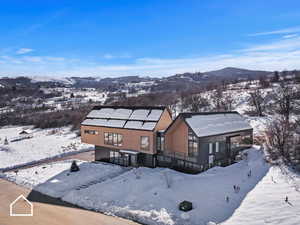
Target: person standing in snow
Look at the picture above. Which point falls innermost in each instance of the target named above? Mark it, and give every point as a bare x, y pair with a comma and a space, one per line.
286, 199
227, 199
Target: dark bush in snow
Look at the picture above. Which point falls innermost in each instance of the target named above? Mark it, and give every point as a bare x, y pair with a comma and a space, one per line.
74, 167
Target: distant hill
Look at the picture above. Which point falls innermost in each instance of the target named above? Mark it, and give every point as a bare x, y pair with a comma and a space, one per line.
177, 82
237, 73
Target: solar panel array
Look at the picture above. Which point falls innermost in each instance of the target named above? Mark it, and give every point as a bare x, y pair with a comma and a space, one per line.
142, 119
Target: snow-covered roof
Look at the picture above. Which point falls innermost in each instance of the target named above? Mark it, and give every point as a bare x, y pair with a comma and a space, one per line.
27, 131
144, 118
216, 123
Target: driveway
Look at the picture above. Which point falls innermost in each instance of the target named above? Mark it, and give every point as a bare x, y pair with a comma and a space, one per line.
50, 214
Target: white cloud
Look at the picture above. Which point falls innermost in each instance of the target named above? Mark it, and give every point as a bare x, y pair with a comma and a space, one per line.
108, 56
276, 55
22, 51
286, 44
281, 31
55, 59
290, 36
118, 56
33, 59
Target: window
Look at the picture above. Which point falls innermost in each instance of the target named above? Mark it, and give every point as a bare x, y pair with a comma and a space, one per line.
160, 143
113, 139
210, 148
217, 146
120, 140
93, 132
145, 143
105, 138
192, 145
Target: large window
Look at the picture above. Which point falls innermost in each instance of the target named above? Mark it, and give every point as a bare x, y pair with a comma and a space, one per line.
113, 139
145, 143
93, 132
192, 145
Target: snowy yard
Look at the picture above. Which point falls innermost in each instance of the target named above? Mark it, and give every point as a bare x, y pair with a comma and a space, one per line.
44, 144
151, 196
146, 198
56, 180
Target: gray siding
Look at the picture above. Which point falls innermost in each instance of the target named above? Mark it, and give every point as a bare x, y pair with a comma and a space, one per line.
223, 156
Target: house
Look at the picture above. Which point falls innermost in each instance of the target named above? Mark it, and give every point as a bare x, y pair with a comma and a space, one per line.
147, 136
198, 141
21, 207
125, 135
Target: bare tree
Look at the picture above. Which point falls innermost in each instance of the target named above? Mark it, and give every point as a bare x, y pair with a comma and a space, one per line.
278, 135
227, 102
285, 100
217, 97
280, 132
196, 103
257, 101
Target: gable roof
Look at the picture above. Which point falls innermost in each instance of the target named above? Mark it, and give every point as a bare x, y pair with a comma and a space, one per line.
127, 117
27, 131
214, 123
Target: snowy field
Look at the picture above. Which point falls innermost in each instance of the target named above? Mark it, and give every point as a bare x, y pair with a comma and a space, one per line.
56, 180
44, 144
151, 196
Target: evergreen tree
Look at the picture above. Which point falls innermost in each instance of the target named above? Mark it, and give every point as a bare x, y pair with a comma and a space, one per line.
74, 167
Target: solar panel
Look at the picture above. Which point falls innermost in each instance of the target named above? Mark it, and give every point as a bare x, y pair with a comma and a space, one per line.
154, 115
105, 113
121, 114
139, 114
115, 123
95, 122
134, 124
148, 125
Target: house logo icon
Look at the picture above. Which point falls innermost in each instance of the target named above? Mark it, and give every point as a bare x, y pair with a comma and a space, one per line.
21, 207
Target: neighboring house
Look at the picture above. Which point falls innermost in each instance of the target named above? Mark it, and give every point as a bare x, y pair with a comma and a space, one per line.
147, 136
206, 139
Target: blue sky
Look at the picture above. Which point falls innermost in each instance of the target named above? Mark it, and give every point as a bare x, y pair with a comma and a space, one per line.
146, 37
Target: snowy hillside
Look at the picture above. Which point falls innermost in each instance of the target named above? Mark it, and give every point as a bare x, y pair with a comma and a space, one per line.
44, 144
66, 81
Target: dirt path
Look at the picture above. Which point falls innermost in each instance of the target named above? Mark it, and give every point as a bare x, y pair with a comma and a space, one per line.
50, 214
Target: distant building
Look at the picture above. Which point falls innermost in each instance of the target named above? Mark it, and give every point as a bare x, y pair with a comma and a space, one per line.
147, 136
26, 132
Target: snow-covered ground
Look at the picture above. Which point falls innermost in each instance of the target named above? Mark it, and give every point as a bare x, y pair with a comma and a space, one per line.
44, 144
147, 199
151, 196
259, 124
265, 204
56, 180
